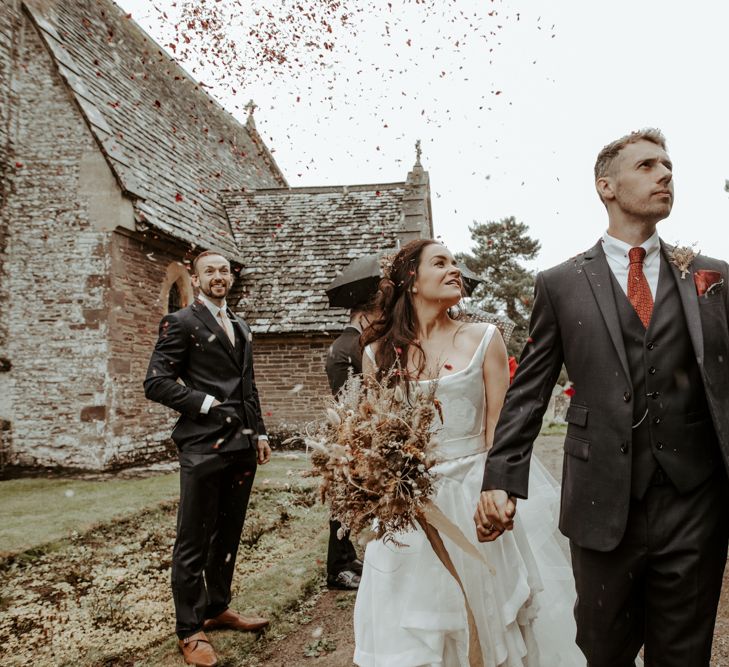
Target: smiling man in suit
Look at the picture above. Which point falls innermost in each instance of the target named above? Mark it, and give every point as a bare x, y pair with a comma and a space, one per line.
642, 329
221, 439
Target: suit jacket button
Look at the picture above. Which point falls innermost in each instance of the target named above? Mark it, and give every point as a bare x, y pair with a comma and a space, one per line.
650, 344
652, 370
626, 396
657, 420
624, 447
659, 445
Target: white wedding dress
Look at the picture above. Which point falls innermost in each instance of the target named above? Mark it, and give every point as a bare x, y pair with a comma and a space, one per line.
410, 611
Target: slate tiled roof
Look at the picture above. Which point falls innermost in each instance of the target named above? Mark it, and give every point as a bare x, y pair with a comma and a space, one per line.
297, 240
171, 146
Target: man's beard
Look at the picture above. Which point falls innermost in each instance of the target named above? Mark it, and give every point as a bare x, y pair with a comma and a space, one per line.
645, 209
208, 291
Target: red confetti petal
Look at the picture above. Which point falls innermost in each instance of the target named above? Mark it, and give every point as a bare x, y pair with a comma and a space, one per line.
178, 197
448, 367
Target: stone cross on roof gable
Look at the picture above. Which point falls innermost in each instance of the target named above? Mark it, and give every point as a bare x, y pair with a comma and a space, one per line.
250, 108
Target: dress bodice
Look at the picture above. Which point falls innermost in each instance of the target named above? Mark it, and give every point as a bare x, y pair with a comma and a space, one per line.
463, 400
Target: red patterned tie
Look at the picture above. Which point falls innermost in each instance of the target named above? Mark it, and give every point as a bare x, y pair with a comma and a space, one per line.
639, 292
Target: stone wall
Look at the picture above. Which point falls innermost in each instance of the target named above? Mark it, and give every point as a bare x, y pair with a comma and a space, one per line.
291, 379
9, 21
54, 394
143, 268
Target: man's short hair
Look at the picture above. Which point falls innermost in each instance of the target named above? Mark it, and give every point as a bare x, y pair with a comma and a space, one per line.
205, 253
607, 155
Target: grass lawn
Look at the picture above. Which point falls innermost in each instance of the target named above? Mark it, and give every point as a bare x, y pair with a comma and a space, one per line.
38, 511
95, 567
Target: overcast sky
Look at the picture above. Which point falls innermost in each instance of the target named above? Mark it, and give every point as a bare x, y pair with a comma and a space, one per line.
511, 108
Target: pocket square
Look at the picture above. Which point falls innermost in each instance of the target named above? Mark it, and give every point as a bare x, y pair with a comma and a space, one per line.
707, 281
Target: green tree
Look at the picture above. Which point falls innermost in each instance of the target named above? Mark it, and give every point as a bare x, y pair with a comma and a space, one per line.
498, 249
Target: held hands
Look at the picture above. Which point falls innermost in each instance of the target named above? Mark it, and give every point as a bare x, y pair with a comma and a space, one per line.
494, 514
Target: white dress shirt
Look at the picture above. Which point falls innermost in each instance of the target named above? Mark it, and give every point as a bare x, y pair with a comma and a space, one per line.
616, 253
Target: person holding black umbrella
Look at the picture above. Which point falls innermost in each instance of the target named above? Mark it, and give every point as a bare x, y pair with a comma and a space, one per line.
344, 359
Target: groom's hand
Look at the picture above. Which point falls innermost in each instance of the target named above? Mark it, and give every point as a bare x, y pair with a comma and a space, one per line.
494, 514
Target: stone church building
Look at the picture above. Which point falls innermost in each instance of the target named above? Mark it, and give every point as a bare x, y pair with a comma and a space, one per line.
115, 169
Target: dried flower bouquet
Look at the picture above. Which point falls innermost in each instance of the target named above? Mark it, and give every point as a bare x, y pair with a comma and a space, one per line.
375, 452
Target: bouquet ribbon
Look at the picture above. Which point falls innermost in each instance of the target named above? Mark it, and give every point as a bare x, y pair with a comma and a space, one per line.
434, 522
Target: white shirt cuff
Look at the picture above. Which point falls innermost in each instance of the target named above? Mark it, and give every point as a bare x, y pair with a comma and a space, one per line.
263, 437
205, 407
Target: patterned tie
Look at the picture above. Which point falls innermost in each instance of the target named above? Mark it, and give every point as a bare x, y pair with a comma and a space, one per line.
227, 326
639, 292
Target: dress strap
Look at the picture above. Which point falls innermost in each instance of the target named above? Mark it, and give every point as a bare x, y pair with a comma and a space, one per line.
370, 352
480, 352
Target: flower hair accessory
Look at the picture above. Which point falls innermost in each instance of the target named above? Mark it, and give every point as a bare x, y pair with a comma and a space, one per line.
681, 257
386, 266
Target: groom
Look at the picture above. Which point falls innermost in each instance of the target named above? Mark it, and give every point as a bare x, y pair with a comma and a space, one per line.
221, 439
644, 488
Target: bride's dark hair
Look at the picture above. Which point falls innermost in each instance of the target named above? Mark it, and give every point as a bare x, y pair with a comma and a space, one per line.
394, 329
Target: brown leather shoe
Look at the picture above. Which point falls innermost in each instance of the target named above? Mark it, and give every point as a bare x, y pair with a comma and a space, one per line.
234, 621
197, 650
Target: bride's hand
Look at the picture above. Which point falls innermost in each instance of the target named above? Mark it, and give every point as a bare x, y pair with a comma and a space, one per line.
494, 514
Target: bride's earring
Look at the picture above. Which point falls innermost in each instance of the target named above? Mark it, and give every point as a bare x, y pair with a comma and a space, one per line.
414, 290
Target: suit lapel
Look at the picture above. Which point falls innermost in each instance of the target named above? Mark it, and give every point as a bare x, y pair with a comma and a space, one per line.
244, 334
599, 276
690, 302
202, 312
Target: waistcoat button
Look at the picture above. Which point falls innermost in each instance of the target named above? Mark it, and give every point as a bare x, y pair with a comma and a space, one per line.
626, 396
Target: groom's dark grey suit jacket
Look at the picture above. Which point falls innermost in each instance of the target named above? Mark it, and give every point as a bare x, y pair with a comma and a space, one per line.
576, 321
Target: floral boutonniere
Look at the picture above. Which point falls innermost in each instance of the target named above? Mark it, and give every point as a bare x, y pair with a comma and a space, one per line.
681, 257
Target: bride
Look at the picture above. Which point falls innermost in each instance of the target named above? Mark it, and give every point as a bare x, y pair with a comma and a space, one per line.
410, 611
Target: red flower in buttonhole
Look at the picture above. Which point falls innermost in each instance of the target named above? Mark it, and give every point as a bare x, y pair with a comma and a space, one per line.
570, 391
530, 340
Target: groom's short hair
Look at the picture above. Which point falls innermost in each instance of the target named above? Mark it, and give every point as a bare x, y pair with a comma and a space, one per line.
606, 157
205, 253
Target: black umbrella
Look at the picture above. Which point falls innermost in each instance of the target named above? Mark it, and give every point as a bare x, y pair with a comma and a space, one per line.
358, 281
